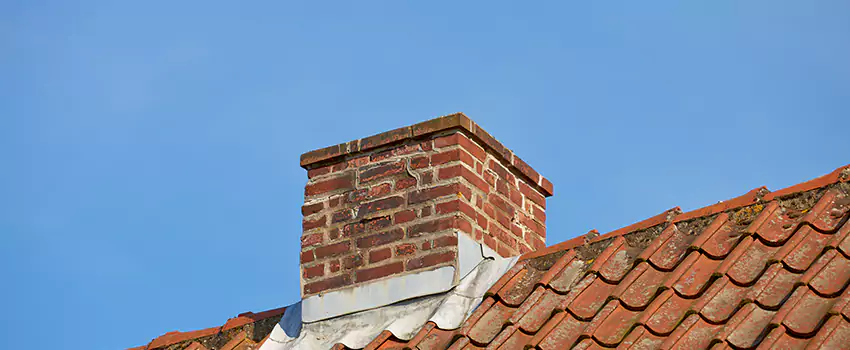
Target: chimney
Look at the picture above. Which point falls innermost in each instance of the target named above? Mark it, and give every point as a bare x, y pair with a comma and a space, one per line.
397, 204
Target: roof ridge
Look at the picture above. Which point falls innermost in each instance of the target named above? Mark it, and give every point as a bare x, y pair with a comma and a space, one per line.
675, 214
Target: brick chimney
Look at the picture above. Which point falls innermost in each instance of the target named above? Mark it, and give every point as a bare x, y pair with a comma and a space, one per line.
396, 203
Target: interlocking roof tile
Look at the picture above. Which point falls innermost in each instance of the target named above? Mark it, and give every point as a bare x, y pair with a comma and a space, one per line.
766, 269
246, 331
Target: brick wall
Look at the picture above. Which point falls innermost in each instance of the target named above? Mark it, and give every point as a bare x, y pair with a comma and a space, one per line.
391, 204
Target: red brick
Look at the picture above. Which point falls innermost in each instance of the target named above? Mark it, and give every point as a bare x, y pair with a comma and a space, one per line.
314, 271
463, 141
334, 233
342, 215
380, 271
445, 241
500, 203
379, 223
345, 182
326, 284
358, 162
404, 216
311, 239
307, 256
308, 225
354, 229
419, 162
401, 184
379, 255
334, 202
516, 230
379, 239
488, 209
539, 214
504, 251
318, 171
380, 171
463, 225
516, 197
432, 193
435, 225
526, 169
455, 206
332, 250
426, 177
334, 266
532, 195
380, 190
490, 241
405, 249
312, 208
533, 225
426, 212
430, 260
379, 205
461, 171
490, 178
451, 156
500, 170
358, 196
426, 145
352, 261
503, 220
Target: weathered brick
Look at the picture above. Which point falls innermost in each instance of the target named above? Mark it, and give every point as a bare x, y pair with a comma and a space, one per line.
342, 215
516, 197
352, 261
379, 171
516, 230
311, 209
380, 271
402, 184
405, 249
311, 239
503, 250
370, 208
501, 171
307, 225
419, 162
490, 241
503, 220
307, 256
500, 203
354, 229
539, 214
379, 223
334, 266
404, 216
326, 284
532, 195
455, 206
385, 138
437, 192
475, 180
380, 190
426, 212
444, 241
533, 225
358, 162
526, 169
332, 250
345, 182
463, 141
457, 154
379, 239
318, 171
435, 225
314, 271
430, 260
379, 255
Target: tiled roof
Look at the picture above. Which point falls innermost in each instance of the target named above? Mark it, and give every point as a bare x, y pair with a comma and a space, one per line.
767, 269
764, 269
247, 331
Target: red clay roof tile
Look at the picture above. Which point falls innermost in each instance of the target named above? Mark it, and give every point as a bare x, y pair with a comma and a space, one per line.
767, 270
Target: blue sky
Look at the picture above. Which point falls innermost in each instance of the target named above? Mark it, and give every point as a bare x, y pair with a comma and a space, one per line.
150, 177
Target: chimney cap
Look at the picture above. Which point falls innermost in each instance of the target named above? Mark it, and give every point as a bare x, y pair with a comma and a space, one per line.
322, 156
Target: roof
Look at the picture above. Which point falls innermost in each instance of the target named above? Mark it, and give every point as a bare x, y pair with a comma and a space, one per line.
766, 269
246, 331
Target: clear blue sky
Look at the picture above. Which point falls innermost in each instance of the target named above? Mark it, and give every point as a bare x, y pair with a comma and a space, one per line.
150, 180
